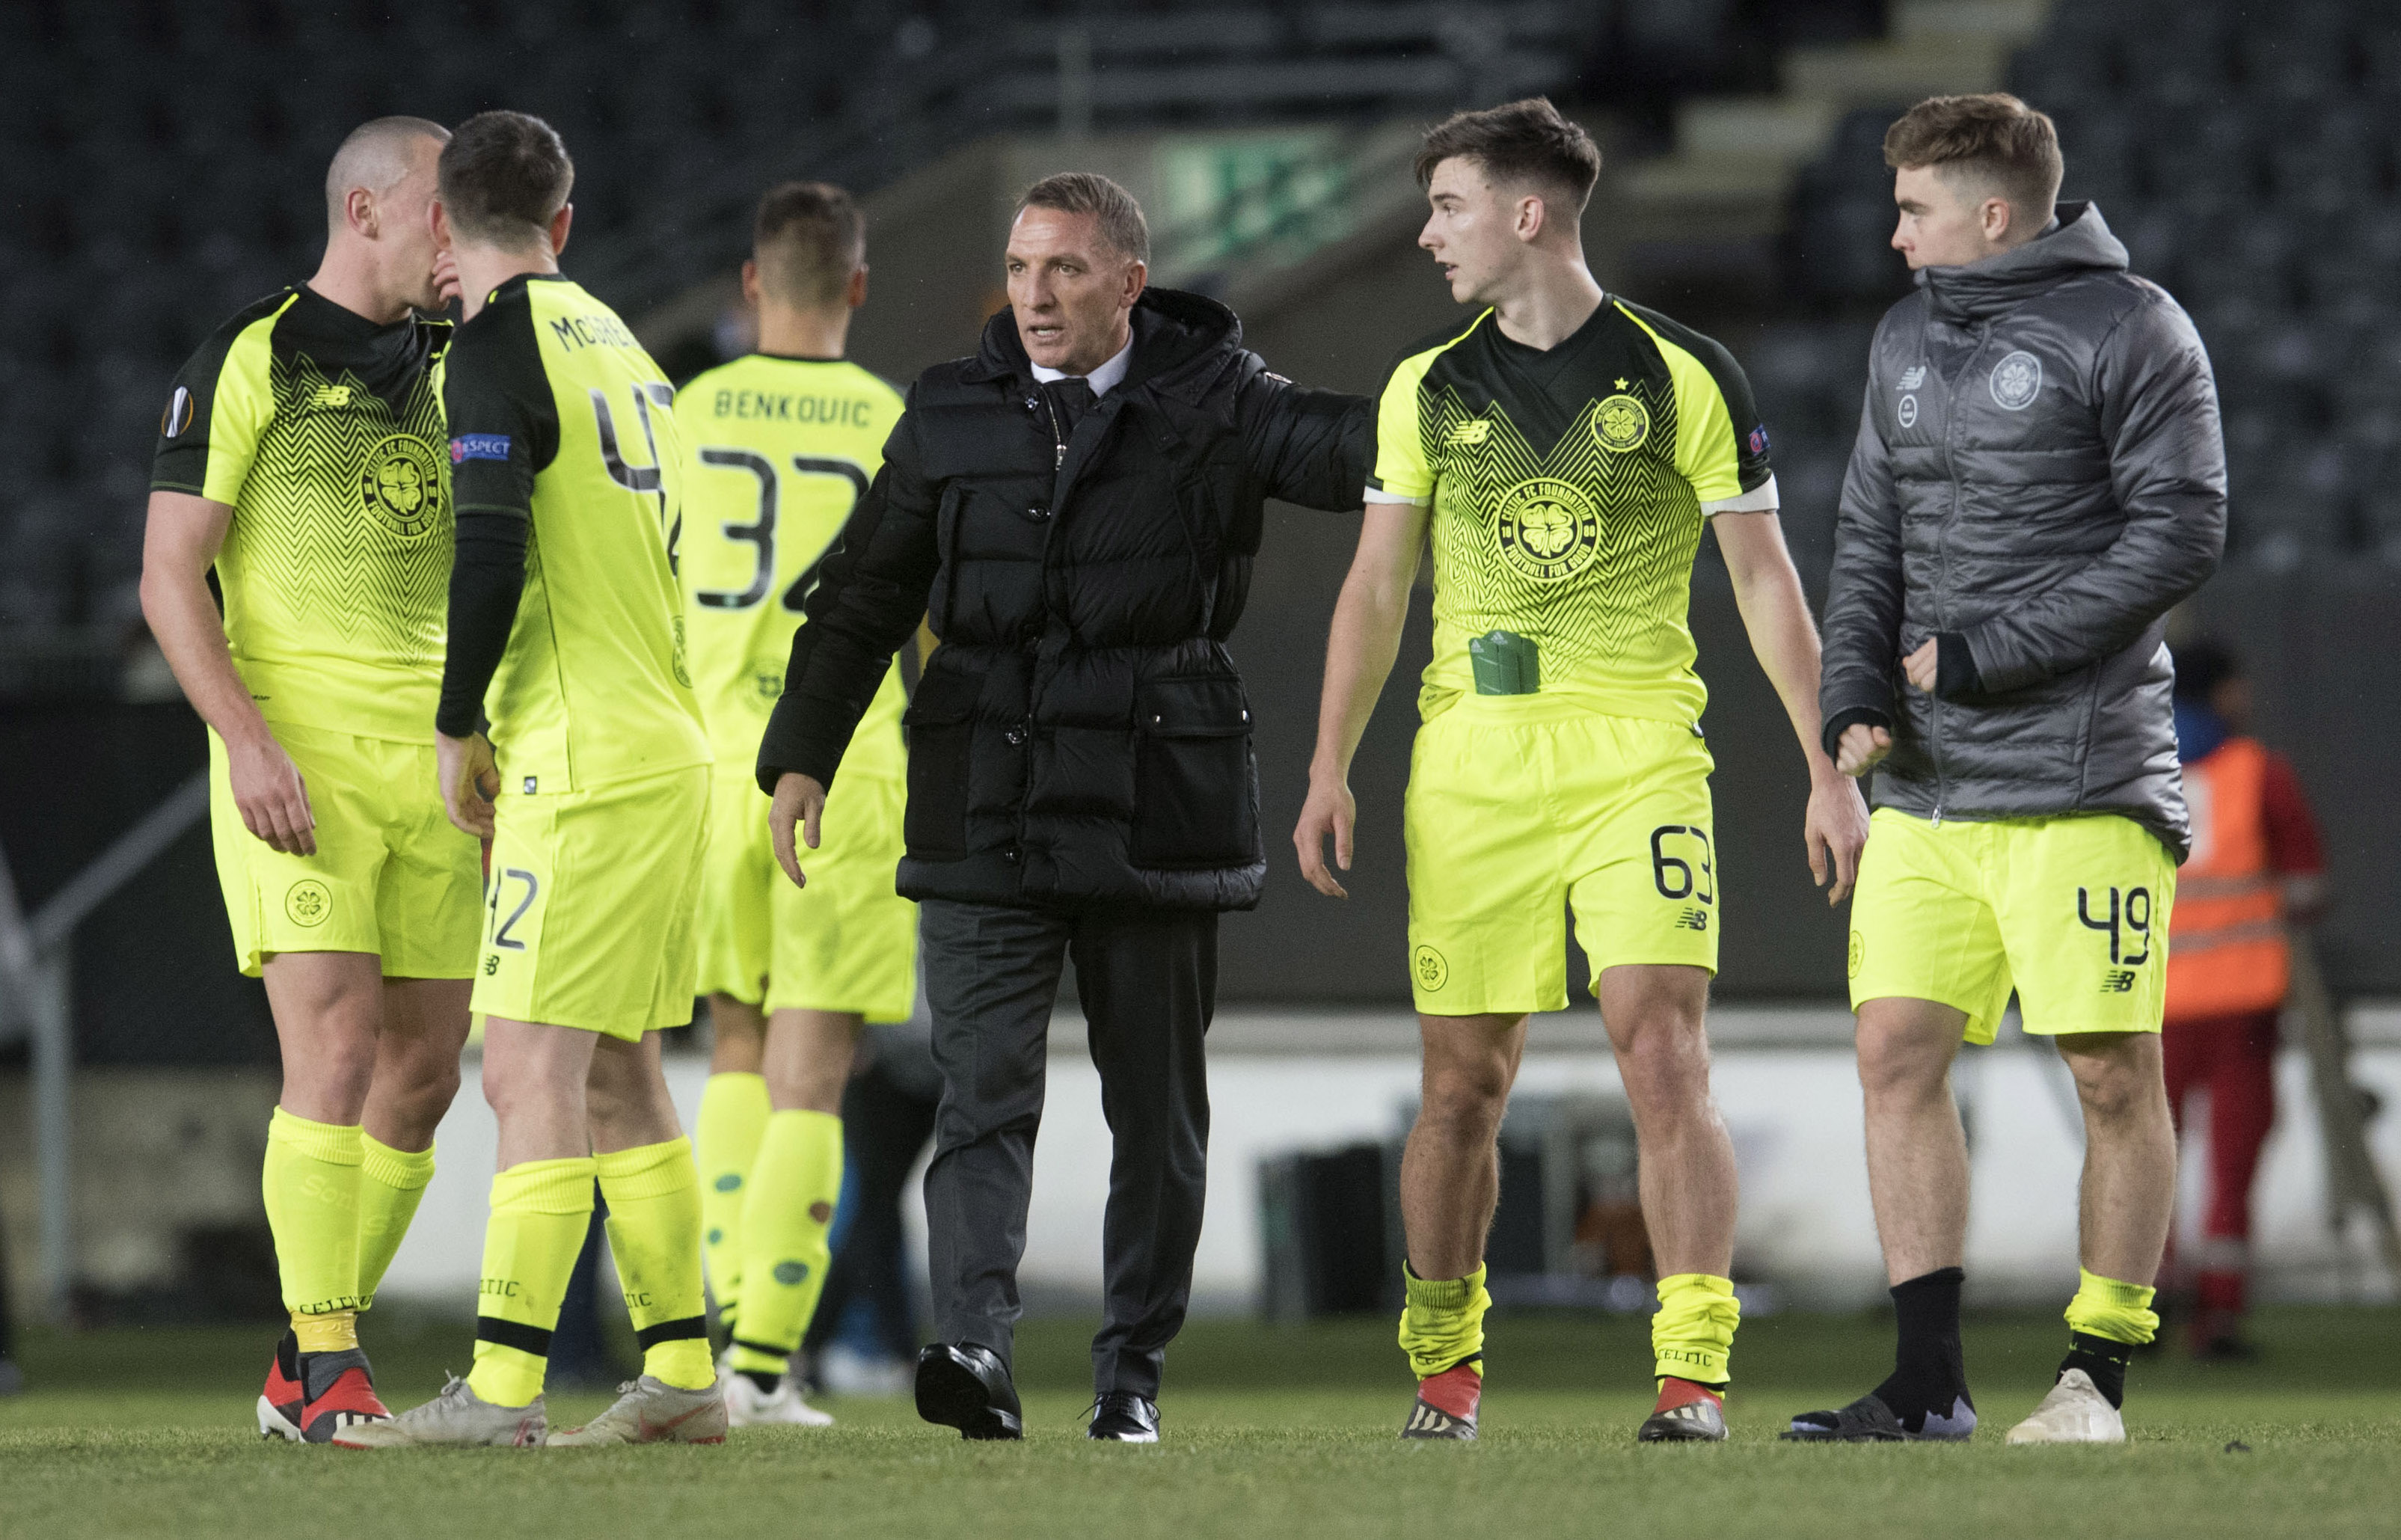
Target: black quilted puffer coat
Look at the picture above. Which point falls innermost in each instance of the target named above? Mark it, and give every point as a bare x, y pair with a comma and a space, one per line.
1080, 735
2039, 477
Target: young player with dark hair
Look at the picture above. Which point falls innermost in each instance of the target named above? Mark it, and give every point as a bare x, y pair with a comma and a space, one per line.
1565, 448
300, 457
781, 444
2039, 479
566, 629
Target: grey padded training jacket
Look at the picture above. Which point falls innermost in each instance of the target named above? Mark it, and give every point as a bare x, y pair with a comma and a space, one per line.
2039, 477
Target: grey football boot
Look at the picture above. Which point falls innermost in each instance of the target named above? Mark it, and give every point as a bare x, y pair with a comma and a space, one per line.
649, 1410
456, 1418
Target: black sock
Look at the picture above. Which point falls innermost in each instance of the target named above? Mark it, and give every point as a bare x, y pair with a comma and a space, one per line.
1929, 1375
287, 1354
767, 1383
2102, 1358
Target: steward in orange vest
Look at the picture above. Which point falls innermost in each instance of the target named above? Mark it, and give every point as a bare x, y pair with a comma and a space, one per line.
2256, 867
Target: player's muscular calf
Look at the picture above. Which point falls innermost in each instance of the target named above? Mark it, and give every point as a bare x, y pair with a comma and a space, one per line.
2129, 1187
1450, 1169
1917, 1148
1655, 1014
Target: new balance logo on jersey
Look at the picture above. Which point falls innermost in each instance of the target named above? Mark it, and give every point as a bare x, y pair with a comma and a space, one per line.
1912, 377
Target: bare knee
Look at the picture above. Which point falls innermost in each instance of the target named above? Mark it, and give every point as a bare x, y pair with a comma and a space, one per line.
1469, 1067
2118, 1075
1905, 1049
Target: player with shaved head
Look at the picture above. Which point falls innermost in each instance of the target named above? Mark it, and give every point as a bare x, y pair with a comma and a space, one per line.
300, 456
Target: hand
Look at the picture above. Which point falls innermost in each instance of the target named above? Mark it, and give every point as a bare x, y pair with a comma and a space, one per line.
798, 800
1329, 810
470, 779
445, 277
1857, 751
1835, 830
1923, 665
272, 797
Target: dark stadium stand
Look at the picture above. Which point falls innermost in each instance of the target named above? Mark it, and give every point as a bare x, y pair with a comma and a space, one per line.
2249, 160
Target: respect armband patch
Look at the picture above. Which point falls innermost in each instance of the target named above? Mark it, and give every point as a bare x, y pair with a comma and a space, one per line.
467, 446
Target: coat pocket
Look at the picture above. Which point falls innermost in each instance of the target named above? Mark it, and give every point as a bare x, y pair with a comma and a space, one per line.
1196, 799
941, 723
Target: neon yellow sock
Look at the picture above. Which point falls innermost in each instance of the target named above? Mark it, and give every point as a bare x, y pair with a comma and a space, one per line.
1691, 1337
333, 1331
653, 1194
540, 1212
310, 1181
391, 1182
1441, 1321
734, 1114
2104, 1307
793, 1187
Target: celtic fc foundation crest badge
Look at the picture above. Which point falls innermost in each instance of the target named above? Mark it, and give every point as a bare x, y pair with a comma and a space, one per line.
1621, 423
402, 485
1547, 528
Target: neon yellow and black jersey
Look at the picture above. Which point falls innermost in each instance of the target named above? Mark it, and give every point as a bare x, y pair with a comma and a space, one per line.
322, 431
776, 453
566, 625
1569, 488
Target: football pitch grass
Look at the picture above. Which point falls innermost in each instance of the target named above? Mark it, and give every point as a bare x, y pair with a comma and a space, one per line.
1270, 1431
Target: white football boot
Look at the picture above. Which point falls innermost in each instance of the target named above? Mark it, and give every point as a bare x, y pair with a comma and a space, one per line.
749, 1407
2075, 1413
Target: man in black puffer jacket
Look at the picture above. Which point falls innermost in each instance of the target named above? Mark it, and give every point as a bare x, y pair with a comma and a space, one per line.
2039, 479
1074, 511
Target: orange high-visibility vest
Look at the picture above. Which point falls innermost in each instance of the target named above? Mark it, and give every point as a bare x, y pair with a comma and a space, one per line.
2227, 951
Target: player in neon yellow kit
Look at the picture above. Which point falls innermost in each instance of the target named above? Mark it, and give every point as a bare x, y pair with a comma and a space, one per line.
567, 631
1565, 448
779, 445
300, 455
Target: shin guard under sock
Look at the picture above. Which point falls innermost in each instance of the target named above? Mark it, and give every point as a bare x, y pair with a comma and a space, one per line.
794, 1184
310, 1182
540, 1212
733, 1113
392, 1183
653, 1195
1929, 1375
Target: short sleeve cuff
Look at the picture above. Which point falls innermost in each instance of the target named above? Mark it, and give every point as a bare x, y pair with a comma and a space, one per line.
1760, 498
1380, 494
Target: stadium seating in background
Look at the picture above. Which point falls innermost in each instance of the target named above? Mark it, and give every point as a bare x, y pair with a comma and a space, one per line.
2248, 159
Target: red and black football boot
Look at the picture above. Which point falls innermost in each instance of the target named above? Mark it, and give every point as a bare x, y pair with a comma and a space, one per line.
1688, 1412
278, 1404
1446, 1402
341, 1395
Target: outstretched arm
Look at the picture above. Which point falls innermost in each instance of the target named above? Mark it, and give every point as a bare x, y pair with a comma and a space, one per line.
1775, 613
1360, 647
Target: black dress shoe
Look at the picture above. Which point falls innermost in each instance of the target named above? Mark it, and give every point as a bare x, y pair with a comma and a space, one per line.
967, 1387
1121, 1417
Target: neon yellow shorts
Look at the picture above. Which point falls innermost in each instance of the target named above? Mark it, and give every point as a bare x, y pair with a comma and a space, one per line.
847, 941
588, 921
1518, 807
391, 876
2071, 911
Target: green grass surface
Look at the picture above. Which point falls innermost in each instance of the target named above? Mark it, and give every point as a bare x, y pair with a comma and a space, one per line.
1269, 1432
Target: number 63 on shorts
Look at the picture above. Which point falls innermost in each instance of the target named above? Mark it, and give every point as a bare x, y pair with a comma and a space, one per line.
1513, 822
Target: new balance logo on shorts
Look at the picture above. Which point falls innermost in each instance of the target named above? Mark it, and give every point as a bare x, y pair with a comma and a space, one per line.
2118, 981
1693, 920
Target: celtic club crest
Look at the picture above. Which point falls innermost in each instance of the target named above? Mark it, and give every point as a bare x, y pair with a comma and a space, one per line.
1621, 423
1547, 528
2015, 380
401, 485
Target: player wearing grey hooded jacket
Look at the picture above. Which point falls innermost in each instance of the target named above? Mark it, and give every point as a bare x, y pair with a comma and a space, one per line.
2039, 477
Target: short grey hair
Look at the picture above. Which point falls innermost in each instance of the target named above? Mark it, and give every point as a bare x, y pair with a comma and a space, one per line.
375, 156
1119, 217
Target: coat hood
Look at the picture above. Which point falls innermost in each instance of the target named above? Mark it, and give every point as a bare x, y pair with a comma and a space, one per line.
2081, 242
1176, 335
